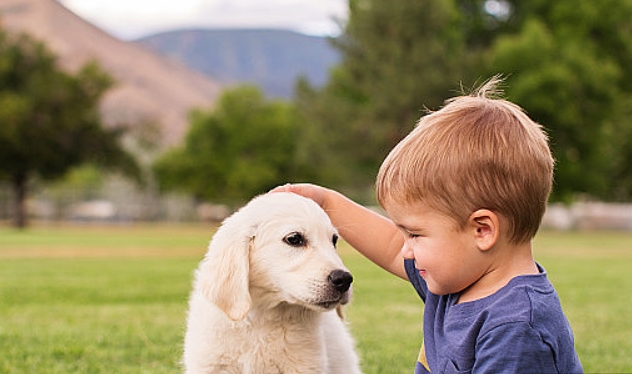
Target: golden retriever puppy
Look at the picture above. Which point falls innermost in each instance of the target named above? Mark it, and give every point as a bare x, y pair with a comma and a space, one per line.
265, 295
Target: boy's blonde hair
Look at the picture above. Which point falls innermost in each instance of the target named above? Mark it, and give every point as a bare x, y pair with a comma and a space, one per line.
477, 152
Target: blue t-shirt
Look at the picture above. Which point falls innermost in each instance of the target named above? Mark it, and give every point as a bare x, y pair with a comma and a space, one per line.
519, 329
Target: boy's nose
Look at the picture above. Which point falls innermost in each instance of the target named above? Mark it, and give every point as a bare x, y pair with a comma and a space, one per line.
406, 251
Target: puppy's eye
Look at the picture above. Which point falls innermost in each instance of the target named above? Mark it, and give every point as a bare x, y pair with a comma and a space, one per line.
295, 239
334, 239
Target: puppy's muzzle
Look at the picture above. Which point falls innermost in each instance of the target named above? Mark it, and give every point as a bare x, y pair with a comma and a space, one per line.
340, 280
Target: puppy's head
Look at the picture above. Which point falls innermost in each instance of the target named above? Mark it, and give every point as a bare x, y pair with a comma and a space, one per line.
279, 248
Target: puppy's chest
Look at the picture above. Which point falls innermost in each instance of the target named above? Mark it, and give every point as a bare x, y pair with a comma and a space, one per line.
282, 350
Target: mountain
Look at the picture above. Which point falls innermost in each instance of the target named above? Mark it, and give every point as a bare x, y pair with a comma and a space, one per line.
271, 59
149, 87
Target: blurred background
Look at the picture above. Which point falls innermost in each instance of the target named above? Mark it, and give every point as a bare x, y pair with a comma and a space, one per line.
130, 111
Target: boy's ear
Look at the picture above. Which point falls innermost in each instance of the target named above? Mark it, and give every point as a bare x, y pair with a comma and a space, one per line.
486, 226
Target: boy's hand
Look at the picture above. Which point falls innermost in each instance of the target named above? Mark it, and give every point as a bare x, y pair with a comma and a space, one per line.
311, 191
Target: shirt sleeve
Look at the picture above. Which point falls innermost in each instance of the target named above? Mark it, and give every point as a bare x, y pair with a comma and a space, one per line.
514, 348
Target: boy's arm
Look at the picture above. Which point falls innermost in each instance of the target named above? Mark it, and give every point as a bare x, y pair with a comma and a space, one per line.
370, 233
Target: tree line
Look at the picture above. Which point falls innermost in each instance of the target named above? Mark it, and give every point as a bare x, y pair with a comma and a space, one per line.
568, 63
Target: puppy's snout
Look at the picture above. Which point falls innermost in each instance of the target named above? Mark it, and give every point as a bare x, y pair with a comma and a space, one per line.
341, 280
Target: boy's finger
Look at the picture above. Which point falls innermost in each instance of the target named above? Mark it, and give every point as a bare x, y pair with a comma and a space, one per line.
284, 188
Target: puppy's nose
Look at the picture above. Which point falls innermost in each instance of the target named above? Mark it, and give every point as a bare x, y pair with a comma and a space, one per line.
341, 280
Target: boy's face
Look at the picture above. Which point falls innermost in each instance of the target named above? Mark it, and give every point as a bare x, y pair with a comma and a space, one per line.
447, 257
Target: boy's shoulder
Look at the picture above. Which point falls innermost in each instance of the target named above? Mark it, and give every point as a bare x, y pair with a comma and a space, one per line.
521, 326
523, 321
526, 298
529, 299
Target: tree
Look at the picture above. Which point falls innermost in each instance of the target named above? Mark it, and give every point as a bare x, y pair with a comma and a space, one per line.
569, 64
398, 58
50, 119
242, 148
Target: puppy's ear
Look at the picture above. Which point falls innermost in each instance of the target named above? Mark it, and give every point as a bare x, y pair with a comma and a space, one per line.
223, 274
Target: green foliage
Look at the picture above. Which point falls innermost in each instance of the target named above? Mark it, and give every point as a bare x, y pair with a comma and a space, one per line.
569, 66
242, 148
398, 58
568, 63
50, 119
402, 56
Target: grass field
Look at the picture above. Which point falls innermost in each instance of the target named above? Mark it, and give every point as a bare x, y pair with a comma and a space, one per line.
85, 299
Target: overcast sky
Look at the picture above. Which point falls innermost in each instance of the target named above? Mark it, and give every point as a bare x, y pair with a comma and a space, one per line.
131, 19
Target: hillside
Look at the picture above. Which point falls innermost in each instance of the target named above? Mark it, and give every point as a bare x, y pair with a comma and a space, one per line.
271, 59
149, 86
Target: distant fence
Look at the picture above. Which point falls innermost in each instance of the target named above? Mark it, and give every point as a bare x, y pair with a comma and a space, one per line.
121, 202
588, 216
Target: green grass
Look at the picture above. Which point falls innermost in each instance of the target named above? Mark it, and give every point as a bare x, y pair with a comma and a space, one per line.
84, 299
592, 272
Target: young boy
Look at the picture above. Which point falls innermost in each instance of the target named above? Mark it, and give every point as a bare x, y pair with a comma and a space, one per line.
465, 192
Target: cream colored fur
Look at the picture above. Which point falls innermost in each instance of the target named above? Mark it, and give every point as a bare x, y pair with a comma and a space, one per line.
263, 305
